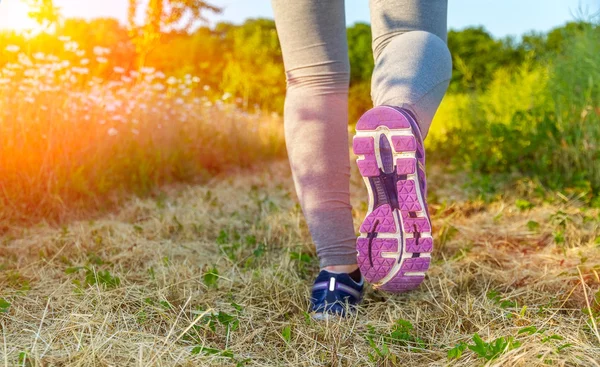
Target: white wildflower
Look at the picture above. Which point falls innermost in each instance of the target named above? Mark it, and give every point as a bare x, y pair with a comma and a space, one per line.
39, 56
25, 60
147, 70
100, 51
172, 80
118, 70
84, 61
112, 131
71, 46
102, 60
196, 79
81, 71
12, 48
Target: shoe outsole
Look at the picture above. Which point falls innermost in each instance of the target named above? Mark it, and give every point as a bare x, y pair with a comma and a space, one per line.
395, 242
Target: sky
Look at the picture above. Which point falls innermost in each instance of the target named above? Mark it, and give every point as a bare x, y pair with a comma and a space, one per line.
500, 17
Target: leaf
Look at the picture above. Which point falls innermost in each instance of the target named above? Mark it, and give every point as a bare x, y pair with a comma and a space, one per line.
259, 251
529, 329
533, 225
508, 304
223, 238
493, 295
237, 307
211, 278
559, 237
523, 204
563, 346
552, 337
228, 320
23, 358
457, 351
4, 305
480, 347
302, 257
287, 333
250, 240
494, 349
73, 269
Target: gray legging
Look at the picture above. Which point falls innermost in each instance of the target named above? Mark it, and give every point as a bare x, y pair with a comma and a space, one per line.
412, 70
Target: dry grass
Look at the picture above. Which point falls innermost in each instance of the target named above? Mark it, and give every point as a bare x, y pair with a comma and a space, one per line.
163, 249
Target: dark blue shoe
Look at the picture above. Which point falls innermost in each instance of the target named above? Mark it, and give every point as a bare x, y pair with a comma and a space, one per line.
335, 294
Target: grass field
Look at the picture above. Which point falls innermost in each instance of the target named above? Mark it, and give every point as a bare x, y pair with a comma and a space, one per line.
219, 274
148, 217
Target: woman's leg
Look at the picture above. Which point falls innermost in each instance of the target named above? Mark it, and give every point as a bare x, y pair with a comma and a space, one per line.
413, 66
412, 71
315, 53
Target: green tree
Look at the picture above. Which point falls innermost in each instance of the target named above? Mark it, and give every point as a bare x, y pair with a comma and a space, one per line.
476, 55
44, 12
359, 53
254, 66
553, 43
162, 16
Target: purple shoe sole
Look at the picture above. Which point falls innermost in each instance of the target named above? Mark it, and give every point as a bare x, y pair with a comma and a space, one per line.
395, 244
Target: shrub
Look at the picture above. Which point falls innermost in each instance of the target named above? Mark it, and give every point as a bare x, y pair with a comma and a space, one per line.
542, 120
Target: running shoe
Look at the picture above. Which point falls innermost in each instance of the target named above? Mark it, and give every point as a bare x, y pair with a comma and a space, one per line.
395, 242
335, 294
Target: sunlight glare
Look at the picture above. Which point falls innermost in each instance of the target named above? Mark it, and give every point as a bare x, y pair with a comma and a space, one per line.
14, 16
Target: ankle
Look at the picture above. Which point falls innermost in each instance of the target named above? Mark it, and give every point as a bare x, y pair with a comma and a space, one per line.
341, 268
